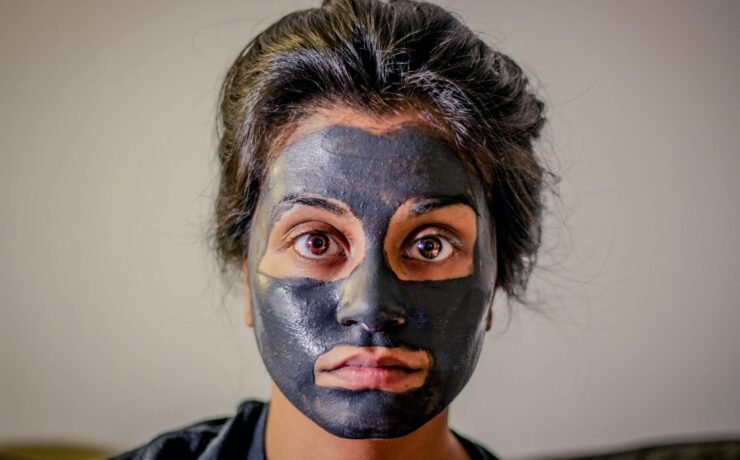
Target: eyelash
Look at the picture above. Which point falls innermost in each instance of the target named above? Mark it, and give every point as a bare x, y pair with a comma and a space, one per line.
293, 239
452, 242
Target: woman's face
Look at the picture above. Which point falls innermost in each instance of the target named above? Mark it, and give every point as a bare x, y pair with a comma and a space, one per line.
371, 268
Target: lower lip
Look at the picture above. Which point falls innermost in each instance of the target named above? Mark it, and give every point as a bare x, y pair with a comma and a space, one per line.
391, 379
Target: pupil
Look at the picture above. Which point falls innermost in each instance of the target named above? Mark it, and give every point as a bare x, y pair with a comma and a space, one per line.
429, 248
317, 244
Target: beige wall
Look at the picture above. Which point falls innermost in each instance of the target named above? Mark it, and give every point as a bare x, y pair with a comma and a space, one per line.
115, 325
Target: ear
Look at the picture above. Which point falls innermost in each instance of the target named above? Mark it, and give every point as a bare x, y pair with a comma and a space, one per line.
496, 281
489, 315
248, 318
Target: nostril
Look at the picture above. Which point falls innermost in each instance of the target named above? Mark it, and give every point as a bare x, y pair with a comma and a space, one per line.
375, 323
371, 299
379, 324
398, 321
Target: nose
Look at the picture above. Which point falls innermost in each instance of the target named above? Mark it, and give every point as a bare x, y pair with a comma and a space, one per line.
370, 299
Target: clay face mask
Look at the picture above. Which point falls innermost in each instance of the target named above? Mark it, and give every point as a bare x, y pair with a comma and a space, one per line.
371, 269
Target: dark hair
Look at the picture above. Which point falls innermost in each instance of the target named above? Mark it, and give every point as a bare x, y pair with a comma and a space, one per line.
386, 58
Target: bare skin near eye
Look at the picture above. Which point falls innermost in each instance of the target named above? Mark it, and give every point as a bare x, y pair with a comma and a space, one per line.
433, 245
311, 241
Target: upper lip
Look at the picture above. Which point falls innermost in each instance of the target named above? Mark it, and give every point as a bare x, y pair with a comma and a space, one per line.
380, 357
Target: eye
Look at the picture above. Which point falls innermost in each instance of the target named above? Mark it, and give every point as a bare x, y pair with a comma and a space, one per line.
316, 245
430, 248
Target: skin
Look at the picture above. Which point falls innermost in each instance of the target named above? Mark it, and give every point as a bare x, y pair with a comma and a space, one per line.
370, 281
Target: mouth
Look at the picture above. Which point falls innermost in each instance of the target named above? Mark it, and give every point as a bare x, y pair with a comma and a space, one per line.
394, 370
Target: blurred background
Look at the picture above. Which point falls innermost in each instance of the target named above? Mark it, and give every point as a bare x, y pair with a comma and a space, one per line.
116, 325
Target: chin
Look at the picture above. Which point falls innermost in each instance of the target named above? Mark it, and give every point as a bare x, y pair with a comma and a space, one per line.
368, 414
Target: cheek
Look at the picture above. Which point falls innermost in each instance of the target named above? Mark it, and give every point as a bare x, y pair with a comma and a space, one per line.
302, 314
296, 322
449, 321
447, 316
294, 319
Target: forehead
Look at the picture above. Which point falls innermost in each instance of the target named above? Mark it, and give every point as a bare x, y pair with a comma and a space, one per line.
369, 172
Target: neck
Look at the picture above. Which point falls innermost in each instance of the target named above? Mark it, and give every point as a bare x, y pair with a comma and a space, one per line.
290, 434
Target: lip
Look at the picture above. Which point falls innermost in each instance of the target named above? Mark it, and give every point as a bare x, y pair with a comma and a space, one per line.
372, 368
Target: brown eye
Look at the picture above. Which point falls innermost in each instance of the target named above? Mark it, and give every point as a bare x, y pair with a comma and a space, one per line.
317, 246
429, 247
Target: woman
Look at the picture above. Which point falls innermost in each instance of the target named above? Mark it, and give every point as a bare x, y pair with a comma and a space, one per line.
378, 185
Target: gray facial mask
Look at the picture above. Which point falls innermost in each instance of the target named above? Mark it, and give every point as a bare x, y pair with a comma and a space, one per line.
297, 320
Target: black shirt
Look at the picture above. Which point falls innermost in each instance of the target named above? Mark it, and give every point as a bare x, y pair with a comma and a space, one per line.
239, 437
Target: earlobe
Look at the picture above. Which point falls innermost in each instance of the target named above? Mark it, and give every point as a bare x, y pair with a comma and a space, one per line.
248, 318
489, 317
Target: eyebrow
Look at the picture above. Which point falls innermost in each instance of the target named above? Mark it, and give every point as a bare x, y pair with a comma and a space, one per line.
315, 202
425, 205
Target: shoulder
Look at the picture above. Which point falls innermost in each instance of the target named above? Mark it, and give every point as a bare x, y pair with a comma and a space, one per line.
203, 440
184, 443
475, 450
